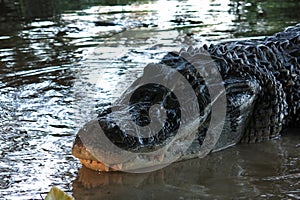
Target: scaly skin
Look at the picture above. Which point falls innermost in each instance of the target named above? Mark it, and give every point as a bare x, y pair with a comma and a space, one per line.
262, 82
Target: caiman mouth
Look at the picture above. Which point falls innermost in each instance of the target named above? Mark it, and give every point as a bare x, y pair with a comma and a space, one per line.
89, 161
98, 166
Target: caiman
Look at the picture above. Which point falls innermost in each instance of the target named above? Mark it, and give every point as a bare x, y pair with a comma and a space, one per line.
261, 81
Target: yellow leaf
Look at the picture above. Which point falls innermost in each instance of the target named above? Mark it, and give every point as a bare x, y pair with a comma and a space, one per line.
57, 194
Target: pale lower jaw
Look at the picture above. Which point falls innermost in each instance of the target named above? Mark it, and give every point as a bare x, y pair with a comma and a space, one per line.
99, 166
127, 166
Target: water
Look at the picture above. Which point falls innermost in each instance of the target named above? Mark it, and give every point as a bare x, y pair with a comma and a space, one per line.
59, 63
246, 171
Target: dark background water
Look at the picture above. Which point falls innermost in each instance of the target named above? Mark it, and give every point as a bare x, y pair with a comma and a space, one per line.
61, 60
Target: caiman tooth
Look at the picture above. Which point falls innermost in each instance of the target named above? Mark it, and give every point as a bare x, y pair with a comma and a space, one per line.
160, 157
106, 168
117, 167
120, 166
151, 157
142, 157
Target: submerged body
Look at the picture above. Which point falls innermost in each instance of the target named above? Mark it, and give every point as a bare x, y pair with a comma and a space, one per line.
262, 86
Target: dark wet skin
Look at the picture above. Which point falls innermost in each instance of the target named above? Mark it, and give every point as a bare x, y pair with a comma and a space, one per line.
262, 84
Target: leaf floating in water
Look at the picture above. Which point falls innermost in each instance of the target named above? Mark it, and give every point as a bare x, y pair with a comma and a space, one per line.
57, 194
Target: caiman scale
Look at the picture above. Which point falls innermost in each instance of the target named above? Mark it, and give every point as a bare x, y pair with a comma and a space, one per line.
261, 78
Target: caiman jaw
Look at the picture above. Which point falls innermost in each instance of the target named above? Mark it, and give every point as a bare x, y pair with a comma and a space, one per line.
86, 159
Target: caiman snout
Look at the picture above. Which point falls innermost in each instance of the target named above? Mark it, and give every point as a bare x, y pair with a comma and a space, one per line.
86, 158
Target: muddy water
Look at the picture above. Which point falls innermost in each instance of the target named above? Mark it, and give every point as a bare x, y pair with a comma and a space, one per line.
258, 171
60, 62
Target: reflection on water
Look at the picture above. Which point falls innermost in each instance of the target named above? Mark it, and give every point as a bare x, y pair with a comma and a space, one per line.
60, 60
245, 171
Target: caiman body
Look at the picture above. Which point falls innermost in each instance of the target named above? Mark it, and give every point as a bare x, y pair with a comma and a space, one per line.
261, 78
